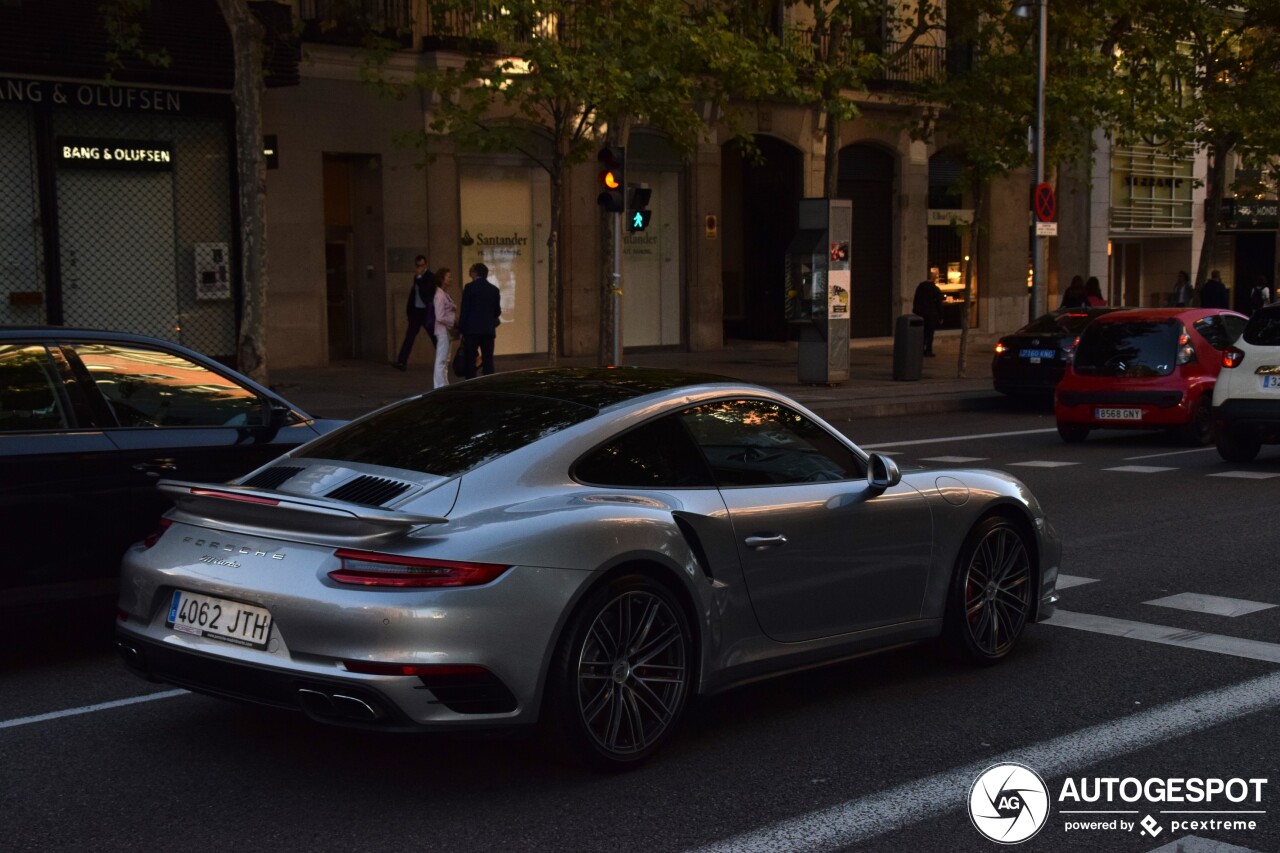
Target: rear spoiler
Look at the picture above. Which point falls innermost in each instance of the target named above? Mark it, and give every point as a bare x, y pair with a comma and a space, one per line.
263, 508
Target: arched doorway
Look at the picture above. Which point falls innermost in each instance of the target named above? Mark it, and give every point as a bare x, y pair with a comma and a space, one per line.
760, 200
866, 178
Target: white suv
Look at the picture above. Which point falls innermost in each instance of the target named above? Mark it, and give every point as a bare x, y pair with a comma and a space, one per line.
1246, 399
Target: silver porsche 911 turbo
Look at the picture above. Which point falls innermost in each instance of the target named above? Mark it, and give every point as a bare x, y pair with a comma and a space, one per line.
585, 549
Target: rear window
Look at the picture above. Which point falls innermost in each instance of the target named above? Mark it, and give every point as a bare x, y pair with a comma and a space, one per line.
1128, 349
1264, 328
448, 434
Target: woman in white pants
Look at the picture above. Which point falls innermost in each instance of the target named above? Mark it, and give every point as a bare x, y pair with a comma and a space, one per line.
446, 322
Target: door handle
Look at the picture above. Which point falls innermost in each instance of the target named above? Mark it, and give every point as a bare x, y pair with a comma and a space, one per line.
759, 542
156, 467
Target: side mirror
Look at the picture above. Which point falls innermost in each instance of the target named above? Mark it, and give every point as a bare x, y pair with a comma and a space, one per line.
882, 472
278, 414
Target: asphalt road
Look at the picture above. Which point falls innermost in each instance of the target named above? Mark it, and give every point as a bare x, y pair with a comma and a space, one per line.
877, 754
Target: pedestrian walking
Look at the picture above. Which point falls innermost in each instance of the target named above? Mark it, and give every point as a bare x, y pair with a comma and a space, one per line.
446, 326
1260, 295
1213, 294
928, 305
1182, 290
1074, 295
419, 309
1093, 293
478, 319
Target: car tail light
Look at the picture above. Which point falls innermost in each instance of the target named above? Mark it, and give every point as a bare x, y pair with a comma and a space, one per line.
1231, 357
1001, 349
154, 536
1069, 351
368, 568
1186, 354
233, 496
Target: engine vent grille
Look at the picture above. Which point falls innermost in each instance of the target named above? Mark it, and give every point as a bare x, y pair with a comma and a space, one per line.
372, 491
272, 477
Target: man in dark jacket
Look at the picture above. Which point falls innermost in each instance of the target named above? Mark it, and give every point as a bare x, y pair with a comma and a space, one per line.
420, 309
928, 304
1214, 293
478, 319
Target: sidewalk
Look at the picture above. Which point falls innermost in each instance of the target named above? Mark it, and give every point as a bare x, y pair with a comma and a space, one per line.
348, 389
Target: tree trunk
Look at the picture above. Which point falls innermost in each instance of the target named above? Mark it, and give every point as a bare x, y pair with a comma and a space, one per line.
553, 264
1219, 151
962, 359
251, 170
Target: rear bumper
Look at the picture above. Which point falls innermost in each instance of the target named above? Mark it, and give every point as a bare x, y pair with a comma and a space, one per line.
1013, 378
1259, 416
1159, 408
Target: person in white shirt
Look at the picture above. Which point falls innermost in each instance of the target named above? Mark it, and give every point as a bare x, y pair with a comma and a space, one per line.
446, 325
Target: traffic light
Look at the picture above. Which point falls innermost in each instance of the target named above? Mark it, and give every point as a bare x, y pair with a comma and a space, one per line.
613, 179
638, 212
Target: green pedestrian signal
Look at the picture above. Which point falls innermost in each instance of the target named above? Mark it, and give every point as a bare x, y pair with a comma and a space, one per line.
638, 220
638, 212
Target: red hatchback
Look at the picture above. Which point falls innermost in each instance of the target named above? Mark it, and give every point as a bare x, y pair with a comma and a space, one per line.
1151, 368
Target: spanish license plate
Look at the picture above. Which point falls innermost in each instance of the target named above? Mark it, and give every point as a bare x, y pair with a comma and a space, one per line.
1118, 414
1035, 354
1271, 381
219, 619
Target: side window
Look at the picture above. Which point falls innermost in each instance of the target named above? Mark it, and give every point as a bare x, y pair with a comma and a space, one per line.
656, 455
29, 398
146, 387
1234, 326
763, 443
1213, 331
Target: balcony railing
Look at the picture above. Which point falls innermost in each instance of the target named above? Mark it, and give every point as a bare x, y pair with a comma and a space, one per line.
905, 66
354, 22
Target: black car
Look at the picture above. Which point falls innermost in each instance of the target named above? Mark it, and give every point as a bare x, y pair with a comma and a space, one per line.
89, 421
1030, 361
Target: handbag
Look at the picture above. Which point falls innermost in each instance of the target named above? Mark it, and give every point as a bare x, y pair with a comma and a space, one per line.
457, 363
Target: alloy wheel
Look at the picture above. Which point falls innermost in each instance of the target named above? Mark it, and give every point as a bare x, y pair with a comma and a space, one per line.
632, 673
997, 591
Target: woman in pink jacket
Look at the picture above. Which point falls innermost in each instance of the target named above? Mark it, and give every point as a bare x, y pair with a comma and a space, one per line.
446, 323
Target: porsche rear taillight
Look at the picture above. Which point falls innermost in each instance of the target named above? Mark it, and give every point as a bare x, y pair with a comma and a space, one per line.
369, 568
154, 536
1231, 357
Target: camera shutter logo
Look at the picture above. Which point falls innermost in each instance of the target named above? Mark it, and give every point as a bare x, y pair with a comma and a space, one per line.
1009, 803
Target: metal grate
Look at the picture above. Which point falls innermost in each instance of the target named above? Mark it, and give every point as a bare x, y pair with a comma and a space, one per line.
142, 248
272, 478
372, 491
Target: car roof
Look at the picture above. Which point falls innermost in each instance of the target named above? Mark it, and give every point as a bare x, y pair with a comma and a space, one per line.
597, 387
1130, 315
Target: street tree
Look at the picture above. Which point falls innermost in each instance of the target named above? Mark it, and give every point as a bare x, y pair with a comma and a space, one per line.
1201, 76
556, 79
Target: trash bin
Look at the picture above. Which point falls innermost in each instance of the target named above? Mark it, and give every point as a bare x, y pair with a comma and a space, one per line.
908, 347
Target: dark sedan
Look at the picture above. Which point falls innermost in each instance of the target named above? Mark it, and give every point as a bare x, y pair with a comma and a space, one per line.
1030, 361
89, 421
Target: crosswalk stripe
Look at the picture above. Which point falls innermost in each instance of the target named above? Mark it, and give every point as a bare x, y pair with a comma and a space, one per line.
1164, 635
1213, 604
953, 460
1068, 581
1140, 469
1246, 475
1036, 463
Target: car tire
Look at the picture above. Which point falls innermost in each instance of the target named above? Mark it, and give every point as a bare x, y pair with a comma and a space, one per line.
1236, 445
1073, 433
1199, 431
621, 675
991, 595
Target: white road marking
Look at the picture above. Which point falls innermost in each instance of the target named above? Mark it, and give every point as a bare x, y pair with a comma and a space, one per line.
921, 800
1163, 634
1214, 604
1169, 453
1246, 475
954, 438
1068, 581
1196, 844
89, 709
954, 460
1040, 463
1140, 469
